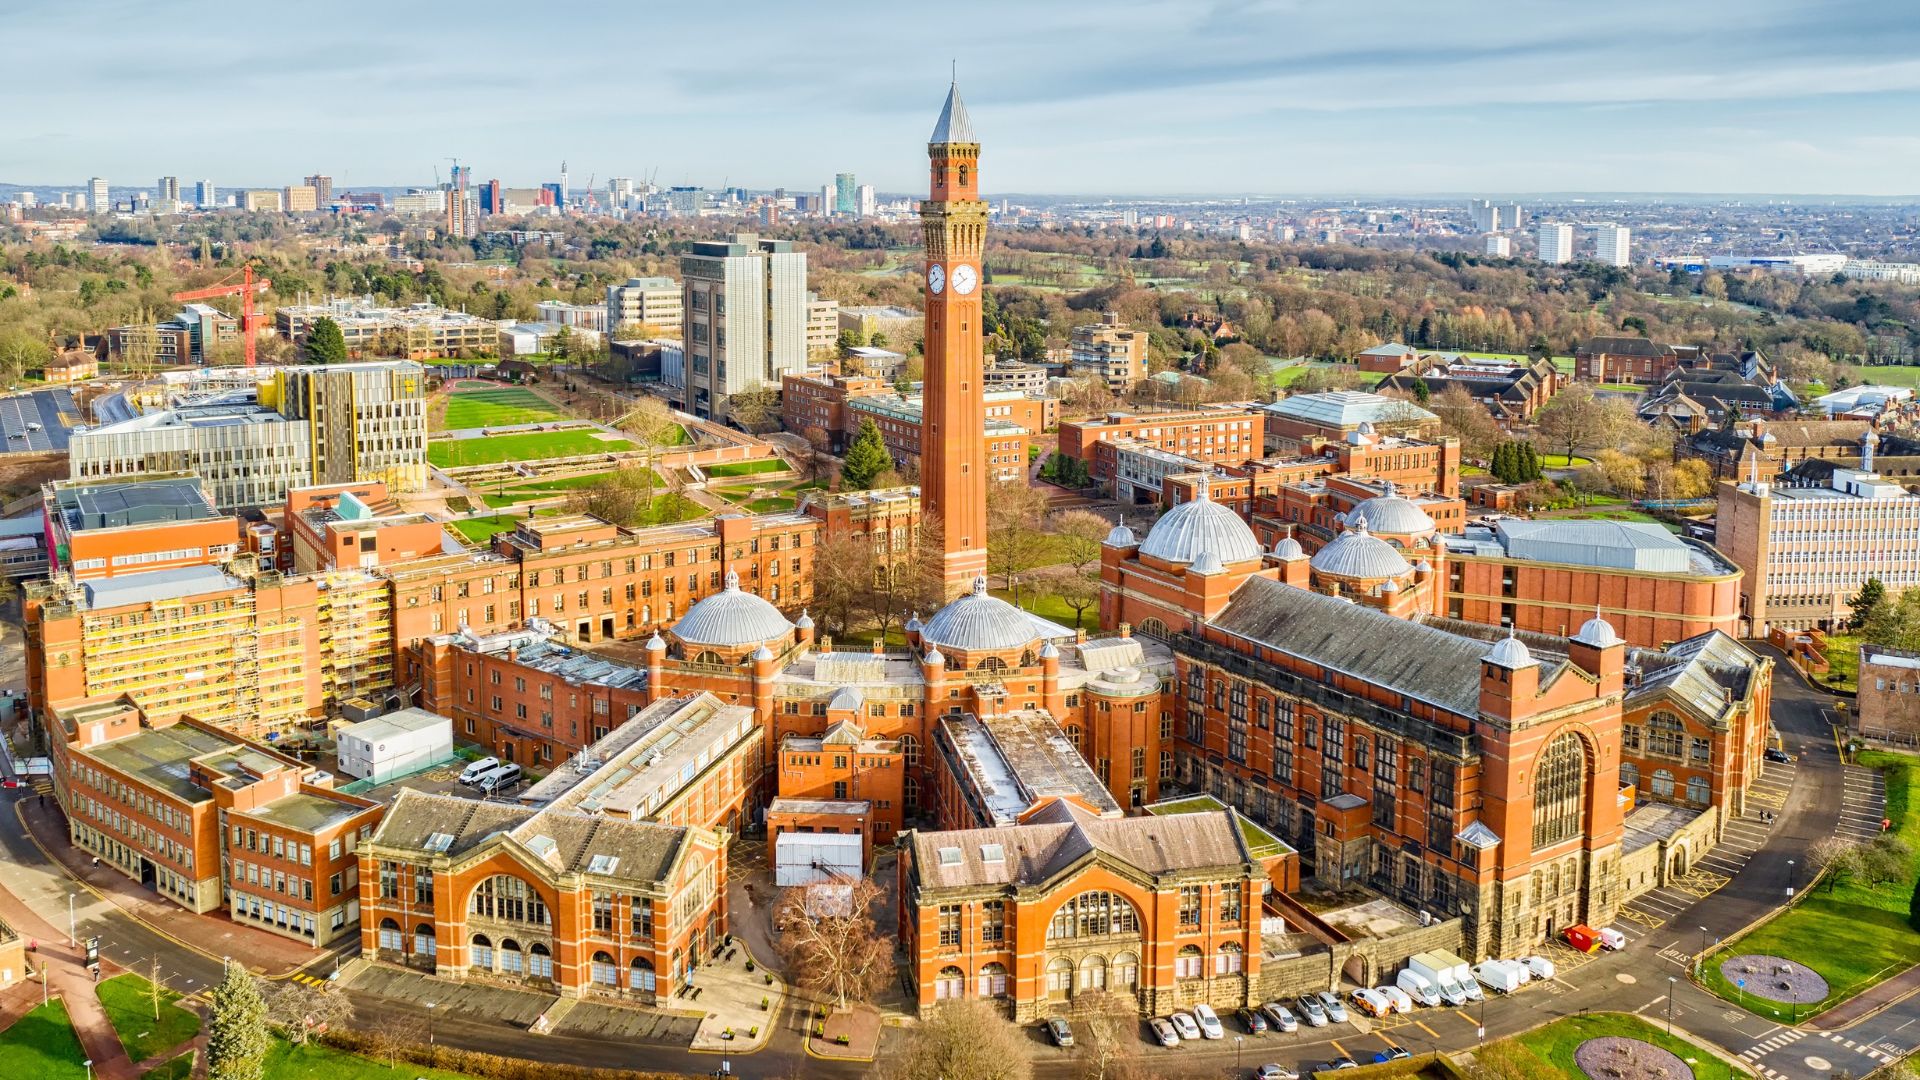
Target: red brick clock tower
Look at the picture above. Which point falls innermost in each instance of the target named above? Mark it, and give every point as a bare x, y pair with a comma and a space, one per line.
953, 474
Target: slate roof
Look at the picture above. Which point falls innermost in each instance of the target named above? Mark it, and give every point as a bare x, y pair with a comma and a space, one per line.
417, 815
1697, 672
645, 850
954, 126
1059, 834
1627, 346
1419, 661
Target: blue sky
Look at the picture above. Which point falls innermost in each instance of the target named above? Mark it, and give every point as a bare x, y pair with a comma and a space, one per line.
1123, 97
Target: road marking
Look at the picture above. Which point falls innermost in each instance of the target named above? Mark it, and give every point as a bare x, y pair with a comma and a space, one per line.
1337, 1046
1425, 1028
1467, 1018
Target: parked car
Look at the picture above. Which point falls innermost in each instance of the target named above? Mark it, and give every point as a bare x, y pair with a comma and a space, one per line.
1060, 1031
478, 769
1371, 1003
1336, 1012
1164, 1032
1209, 1022
498, 778
1777, 755
1184, 1024
1539, 967
1314, 1013
1612, 940
1253, 1021
1275, 1072
1280, 1017
1391, 1053
1398, 998
1337, 1064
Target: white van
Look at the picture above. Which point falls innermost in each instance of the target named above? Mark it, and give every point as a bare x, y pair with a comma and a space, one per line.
1418, 988
478, 769
1498, 976
500, 778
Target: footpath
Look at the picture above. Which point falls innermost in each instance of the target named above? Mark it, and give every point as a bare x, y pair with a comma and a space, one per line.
68, 979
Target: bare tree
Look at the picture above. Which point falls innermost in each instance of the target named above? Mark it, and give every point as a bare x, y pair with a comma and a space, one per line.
300, 1011
1467, 420
842, 580
964, 1039
1835, 857
1080, 532
828, 936
1078, 589
1575, 418
755, 406
1109, 1045
1016, 530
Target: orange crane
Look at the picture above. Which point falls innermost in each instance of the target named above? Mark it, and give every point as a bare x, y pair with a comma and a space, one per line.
245, 289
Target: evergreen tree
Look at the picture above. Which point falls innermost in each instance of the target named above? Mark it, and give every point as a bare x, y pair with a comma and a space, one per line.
325, 343
237, 1037
1422, 393
867, 458
1530, 458
1866, 603
1503, 465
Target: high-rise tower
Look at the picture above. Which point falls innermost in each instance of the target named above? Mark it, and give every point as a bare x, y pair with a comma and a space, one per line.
953, 473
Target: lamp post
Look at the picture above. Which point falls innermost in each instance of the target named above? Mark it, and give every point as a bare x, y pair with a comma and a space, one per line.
1238, 1046
1673, 987
73, 939
1700, 959
1793, 874
1480, 1035
430, 1006
88, 1065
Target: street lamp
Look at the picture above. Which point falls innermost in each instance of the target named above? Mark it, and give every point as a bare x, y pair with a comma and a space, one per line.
1673, 987
1238, 1040
88, 1064
1793, 877
73, 939
430, 1006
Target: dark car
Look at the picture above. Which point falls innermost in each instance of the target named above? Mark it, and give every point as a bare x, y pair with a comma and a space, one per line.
1775, 754
1391, 1053
1060, 1031
1253, 1022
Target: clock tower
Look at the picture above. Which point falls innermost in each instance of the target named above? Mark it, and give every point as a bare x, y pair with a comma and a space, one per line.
953, 438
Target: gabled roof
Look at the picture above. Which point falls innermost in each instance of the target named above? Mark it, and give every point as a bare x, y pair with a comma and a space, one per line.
1627, 346
1059, 834
1698, 673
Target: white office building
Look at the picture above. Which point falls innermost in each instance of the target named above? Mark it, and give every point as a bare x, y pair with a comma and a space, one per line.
1499, 247
646, 301
1556, 242
1610, 243
102, 200
745, 314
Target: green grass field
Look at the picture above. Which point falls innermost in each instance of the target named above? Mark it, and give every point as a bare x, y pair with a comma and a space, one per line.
129, 1004
533, 446
315, 1062
1562, 461
1906, 375
744, 468
1286, 377
1843, 659
1854, 934
497, 408
770, 505
42, 1045
180, 1068
481, 530
1551, 1047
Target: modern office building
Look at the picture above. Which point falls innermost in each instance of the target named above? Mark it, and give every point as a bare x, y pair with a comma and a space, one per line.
653, 302
1611, 244
846, 195
866, 203
1110, 352
419, 331
205, 195
823, 325
183, 339
102, 196
301, 199
1555, 241
168, 189
322, 189
1499, 247
745, 313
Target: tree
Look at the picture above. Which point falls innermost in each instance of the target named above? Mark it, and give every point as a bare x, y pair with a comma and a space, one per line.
237, 1036
866, 458
1885, 859
842, 578
964, 1039
1422, 393
1866, 604
300, 1010
561, 347
1835, 857
1109, 1046
325, 343
1574, 417
1465, 419
1016, 530
650, 422
1081, 533
756, 406
829, 938
1077, 589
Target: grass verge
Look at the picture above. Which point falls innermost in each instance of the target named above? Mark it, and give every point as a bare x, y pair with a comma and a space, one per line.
744, 468
128, 1000
1552, 1047
42, 1045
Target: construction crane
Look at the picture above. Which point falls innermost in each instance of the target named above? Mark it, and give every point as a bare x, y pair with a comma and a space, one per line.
245, 288
593, 203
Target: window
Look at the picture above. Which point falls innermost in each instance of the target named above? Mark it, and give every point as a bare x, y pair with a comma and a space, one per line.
1230, 903
1699, 750
1189, 905
1665, 734
1188, 964
1230, 960
949, 984
1699, 792
993, 923
1093, 914
510, 899
949, 924
1559, 791
1125, 975
640, 975
993, 981
1629, 774
1663, 783
1060, 976
642, 925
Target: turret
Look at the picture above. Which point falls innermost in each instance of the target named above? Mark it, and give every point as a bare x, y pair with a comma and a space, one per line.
1600, 652
656, 667
1509, 679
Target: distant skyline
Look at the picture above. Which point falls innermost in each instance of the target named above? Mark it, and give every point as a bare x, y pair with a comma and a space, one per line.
1125, 98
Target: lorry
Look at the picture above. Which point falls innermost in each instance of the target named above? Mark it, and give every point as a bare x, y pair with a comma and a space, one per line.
1498, 976
1462, 974
1438, 974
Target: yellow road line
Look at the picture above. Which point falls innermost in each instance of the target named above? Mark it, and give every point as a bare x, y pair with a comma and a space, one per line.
1425, 1028
1337, 1046
1467, 1018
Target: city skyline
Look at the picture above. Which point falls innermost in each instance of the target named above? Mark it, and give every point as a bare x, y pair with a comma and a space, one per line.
1155, 99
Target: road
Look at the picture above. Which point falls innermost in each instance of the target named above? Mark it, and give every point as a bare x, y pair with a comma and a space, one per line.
1817, 795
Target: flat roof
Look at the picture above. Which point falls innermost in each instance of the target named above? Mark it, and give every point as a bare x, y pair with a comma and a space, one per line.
1015, 761
159, 757
119, 504
403, 722
305, 811
157, 585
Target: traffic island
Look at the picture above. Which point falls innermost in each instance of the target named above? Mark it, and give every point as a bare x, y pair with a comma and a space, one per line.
849, 1035
1614, 1058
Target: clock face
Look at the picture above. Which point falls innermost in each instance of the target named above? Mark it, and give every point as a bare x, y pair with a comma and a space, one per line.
964, 279
936, 277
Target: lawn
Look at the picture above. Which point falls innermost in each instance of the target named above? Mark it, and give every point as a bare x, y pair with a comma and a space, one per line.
1286, 377
1562, 461
745, 468
1553, 1045
1843, 660
483, 530
533, 446
497, 408
1889, 375
180, 1068
316, 1062
42, 1045
129, 1004
771, 504
1853, 934
1034, 597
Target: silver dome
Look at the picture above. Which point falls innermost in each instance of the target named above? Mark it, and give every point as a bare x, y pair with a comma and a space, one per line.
1598, 633
731, 617
1121, 536
1357, 553
1207, 563
980, 621
1199, 525
1287, 548
1391, 513
1510, 653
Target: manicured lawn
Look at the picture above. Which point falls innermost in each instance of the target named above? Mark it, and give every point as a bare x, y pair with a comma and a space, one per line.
744, 468
1889, 375
1554, 1044
42, 1045
1562, 461
1853, 934
1614, 515
1034, 597
481, 530
179, 1068
533, 446
497, 408
1286, 377
315, 1062
664, 512
769, 505
129, 1004
1843, 660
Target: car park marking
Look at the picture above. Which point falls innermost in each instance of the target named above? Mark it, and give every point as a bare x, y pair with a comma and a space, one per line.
1337, 1046
1423, 1027
1467, 1018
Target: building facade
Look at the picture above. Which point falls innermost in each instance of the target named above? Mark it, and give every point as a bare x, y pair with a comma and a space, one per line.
1110, 352
745, 312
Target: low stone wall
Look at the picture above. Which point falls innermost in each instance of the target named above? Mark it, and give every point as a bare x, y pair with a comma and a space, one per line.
1369, 961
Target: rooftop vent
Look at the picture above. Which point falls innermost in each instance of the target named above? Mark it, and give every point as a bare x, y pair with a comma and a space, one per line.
603, 864
993, 853
949, 856
439, 842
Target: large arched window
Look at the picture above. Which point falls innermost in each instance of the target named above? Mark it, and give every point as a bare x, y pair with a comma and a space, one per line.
707, 656
390, 935
641, 975
1629, 774
992, 663
1559, 790
480, 952
539, 962
510, 958
993, 981
1154, 628
605, 974
424, 943
1093, 914
1187, 964
1663, 783
1059, 977
949, 984
509, 899
1093, 973
1126, 971
1230, 960
1699, 792
910, 750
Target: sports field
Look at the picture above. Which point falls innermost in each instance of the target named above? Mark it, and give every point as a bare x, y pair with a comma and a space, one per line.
496, 407
532, 446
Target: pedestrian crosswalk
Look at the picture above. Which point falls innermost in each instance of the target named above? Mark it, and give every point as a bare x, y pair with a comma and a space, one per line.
1783, 1040
1786, 1037
309, 980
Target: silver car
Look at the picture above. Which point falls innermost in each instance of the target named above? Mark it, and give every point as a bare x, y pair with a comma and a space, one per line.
1163, 1032
1336, 1012
1280, 1017
1312, 1011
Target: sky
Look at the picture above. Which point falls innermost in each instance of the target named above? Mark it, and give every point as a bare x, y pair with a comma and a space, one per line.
1123, 97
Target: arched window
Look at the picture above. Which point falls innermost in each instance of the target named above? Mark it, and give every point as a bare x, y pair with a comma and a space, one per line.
1060, 977
910, 750
480, 952
1126, 971
1629, 774
1093, 914
993, 981
1073, 735
424, 943
1153, 628
1187, 964
949, 984
640, 975
911, 791
992, 663
1559, 791
511, 900
1027, 659
1663, 783
1230, 961
1665, 734
510, 958
707, 656
390, 935
1093, 973
605, 974
1699, 792
539, 962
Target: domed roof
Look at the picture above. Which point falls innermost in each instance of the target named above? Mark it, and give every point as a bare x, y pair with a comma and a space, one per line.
731, 617
1287, 548
1199, 525
1391, 513
804, 622
936, 658
1510, 653
979, 621
1208, 563
1598, 633
1357, 553
1121, 536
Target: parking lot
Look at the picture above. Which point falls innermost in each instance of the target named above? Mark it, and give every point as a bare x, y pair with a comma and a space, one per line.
38, 422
